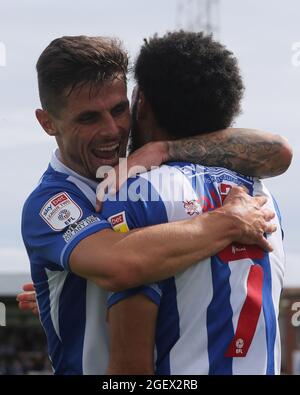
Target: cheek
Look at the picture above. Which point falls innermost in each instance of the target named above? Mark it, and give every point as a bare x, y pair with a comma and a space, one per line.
78, 140
126, 121
83, 135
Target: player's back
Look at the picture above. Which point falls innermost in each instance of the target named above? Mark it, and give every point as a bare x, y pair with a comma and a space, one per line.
220, 316
224, 311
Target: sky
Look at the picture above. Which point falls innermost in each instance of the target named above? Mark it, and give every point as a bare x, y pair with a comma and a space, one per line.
260, 33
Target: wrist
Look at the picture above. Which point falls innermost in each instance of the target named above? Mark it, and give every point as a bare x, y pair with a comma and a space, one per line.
163, 147
224, 225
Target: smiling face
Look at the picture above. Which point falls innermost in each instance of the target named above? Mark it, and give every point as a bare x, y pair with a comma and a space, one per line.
92, 129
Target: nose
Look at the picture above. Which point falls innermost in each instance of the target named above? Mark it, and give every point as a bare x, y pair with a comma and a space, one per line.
109, 126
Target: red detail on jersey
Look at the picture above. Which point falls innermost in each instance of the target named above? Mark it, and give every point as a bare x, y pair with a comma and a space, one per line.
61, 198
224, 190
237, 251
117, 219
216, 199
249, 315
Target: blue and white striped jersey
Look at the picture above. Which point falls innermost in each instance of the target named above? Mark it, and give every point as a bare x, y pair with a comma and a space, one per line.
221, 315
57, 215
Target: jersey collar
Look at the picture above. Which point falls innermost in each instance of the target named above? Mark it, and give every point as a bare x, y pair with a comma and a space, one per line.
58, 166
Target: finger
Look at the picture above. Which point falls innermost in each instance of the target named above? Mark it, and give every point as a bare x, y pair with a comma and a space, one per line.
244, 188
264, 244
26, 296
36, 311
98, 207
270, 228
32, 305
235, 193
28, 287
268, 214
27, 305
235, 189
261, 200
23, 306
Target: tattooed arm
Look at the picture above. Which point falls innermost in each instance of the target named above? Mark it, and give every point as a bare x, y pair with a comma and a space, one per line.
247, 151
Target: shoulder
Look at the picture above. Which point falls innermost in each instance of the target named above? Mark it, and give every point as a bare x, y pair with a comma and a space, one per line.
55, 202
52, 190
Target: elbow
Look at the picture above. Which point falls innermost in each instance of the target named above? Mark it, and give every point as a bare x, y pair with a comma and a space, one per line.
285, 155
123, 273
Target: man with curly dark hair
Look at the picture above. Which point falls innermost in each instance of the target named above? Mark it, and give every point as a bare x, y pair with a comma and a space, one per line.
192, 82
220, 316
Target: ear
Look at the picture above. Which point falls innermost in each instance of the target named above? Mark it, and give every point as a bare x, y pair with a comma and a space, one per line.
46, 122
142, 107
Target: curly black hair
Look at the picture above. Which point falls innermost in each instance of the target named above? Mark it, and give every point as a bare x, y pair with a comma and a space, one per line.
191, 81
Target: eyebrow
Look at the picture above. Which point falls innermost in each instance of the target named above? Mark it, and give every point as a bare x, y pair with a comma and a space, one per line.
121, 103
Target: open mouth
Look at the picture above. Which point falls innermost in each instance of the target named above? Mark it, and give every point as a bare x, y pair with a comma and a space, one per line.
107, 152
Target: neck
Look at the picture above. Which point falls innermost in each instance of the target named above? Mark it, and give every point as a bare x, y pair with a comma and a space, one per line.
155, 132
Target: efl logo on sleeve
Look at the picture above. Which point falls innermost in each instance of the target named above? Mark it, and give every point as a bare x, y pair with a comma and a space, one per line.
60, 211
119, 222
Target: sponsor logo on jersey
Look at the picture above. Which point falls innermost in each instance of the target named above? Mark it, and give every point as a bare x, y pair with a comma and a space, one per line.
79, 226
235, 252
119, 222
60, 211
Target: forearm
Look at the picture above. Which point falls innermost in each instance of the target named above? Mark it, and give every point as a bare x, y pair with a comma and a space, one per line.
149, 255
247, 151
132, 327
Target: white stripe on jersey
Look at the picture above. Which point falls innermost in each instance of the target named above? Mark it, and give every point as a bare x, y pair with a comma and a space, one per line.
95, 348
85, 189
194, 358
56, 280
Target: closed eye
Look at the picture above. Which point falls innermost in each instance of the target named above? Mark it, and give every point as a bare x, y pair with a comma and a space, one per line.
120, 109
88, 117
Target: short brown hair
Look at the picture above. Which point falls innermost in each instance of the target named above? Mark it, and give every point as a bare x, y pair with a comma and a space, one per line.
72, 61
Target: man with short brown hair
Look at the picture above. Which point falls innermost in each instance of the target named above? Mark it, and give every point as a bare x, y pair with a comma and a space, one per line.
74, 253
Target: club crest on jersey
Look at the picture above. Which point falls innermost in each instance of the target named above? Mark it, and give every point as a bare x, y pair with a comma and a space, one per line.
192, 207
60, 211
119, 222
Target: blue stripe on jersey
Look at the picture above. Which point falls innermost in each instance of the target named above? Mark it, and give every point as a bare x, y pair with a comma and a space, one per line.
277, 210
278, 213
148, 291
85, 232
167, 331
72, 305
269, 312
220, 329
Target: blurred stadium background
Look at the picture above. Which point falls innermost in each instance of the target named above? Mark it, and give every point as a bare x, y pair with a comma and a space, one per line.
261, 34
